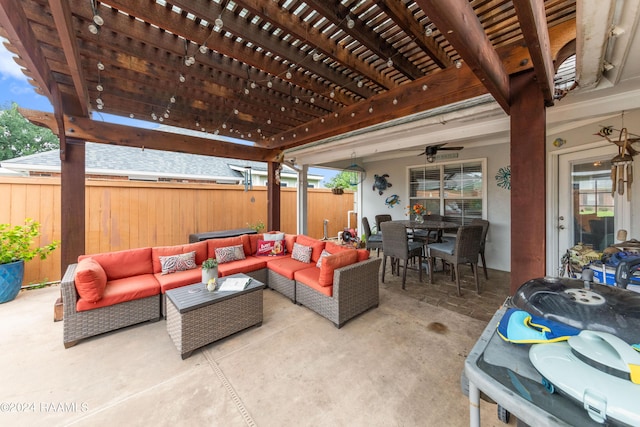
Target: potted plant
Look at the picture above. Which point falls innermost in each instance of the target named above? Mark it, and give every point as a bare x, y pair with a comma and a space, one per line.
15, 249
209, 270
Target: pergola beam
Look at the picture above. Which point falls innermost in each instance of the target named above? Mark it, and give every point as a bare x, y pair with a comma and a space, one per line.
109, 133
459, 24
533, 21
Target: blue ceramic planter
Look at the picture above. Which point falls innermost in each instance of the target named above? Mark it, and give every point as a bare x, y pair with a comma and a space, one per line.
11, 276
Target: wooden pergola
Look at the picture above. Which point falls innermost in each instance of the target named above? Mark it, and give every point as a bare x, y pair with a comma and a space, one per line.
284, 73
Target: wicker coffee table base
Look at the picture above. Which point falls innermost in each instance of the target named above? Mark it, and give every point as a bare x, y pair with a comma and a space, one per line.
204, 325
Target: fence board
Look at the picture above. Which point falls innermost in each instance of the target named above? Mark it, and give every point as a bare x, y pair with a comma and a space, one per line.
129, 214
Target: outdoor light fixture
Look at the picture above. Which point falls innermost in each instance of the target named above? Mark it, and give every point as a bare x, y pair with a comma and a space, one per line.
219, 23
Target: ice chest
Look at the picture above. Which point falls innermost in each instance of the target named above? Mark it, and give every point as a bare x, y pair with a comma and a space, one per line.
603, 274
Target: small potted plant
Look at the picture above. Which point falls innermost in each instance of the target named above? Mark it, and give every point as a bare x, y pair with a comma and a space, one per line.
15, 249
209, 270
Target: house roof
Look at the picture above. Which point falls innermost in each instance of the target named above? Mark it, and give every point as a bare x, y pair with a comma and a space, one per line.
104, 159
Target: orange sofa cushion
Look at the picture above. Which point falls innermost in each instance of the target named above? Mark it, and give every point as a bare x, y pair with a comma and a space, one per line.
123, 264
331, 262
90, 280
316, 245
287, 266
178, 279
253, 242
309, 277
334, 248
123, 290
200, 249
248, 264
213, 244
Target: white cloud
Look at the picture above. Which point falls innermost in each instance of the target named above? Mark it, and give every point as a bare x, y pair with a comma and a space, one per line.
8, 67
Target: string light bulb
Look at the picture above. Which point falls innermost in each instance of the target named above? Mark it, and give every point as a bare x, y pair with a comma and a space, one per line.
99, 88
203, 49
100, 66
182, 78
350, 22
389, 62
219, 23
93, 28
458, 64
428, 32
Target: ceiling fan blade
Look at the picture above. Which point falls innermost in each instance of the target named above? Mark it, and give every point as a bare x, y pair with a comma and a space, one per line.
450, 148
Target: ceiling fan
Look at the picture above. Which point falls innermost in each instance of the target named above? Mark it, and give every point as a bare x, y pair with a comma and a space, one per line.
431, 150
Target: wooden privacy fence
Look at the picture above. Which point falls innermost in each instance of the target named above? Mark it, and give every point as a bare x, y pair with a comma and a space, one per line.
132, 214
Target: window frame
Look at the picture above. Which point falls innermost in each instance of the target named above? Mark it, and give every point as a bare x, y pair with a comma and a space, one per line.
441, 199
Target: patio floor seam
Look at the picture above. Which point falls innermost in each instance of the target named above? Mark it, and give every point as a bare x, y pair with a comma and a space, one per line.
232, 392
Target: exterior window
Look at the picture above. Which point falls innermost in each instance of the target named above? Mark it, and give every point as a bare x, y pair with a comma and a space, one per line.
454, 190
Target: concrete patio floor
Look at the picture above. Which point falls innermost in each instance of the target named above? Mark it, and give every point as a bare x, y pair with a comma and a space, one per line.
399, 364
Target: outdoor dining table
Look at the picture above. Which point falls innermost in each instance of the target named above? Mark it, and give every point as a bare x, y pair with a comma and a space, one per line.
428, 225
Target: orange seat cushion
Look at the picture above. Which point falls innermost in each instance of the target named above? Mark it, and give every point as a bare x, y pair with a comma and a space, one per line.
332, 262
200, 249
241, 266
178, 279
90, 280
253, 241
123, 264
287, 266
123, 290
309, 277
316, 245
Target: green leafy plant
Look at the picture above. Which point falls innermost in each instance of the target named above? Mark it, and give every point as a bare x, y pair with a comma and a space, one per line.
16, 243
209, 264
257, 226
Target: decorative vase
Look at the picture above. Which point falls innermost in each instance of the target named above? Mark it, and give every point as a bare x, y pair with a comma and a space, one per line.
209, 273
419, 219
11, 276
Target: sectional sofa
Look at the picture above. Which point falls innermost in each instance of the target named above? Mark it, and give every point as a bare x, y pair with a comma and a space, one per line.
107, 291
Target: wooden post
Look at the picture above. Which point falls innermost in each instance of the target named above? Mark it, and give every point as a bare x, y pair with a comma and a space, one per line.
273, 196
528, 175
72, 194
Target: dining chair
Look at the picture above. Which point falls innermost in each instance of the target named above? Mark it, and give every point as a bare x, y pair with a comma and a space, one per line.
373, 241
380, 219
396, 244
485, 228
464, 250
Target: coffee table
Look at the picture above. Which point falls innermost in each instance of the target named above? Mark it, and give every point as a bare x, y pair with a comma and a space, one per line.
197, 317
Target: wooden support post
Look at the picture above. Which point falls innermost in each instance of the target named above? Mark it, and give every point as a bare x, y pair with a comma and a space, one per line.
72, 203
273, 196
528, 175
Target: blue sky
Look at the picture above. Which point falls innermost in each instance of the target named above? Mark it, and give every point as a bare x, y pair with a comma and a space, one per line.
15, 88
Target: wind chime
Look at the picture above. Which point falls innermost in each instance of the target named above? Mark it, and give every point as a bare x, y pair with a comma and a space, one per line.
622, 164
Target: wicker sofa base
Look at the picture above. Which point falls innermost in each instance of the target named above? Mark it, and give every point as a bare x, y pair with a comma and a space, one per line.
84, 324
285, 286
355, 290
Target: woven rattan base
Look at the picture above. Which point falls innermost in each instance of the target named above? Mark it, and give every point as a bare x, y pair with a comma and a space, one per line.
219, 319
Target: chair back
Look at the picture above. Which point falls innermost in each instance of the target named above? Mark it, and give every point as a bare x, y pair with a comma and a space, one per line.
432, 217
468, 243
485, 228
380, 219
395, 242
366, 227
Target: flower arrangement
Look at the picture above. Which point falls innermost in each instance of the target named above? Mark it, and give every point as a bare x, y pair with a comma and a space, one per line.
416, 209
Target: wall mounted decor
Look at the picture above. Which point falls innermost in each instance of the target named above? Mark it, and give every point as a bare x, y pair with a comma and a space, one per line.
380, 183
392, 200
503, 177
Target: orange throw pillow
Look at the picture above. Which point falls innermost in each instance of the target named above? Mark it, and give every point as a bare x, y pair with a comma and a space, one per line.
332, 262
90, 280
